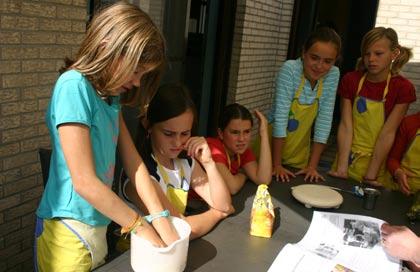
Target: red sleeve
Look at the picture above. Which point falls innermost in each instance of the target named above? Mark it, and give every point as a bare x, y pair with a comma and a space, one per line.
405, 135
401, 91
247, 156
347, 87
217, 150
406, 91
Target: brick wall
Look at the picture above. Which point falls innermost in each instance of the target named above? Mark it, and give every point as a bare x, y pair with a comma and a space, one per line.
260, 44
404, 17
34, 38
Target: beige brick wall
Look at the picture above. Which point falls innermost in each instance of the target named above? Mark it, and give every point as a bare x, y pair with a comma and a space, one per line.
404, 17
34, 38
260, 44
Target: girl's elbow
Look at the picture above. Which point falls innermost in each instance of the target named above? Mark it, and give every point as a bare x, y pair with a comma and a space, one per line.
230, 210
234, 191
85, 185
80, 187
226, 210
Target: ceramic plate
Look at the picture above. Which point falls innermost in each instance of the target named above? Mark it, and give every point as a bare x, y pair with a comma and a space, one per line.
317, 196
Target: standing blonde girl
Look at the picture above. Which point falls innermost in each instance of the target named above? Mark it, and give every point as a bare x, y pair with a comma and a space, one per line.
374, 99
119, 57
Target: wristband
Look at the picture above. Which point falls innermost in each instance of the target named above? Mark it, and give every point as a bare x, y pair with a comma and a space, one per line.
149, 218
137, 223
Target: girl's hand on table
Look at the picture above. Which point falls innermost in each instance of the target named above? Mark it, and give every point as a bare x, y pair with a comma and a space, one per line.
401, 176
311, 174
282, 174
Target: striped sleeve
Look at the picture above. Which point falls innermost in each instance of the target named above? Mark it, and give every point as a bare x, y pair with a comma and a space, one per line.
283, 99
326, 106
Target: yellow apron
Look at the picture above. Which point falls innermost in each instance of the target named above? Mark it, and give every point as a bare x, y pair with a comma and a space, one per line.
69, 245
368, 120
177, 196
298, 140
411, 162
238, 159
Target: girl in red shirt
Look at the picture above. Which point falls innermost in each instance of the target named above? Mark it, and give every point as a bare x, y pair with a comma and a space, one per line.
374, 99
234, 159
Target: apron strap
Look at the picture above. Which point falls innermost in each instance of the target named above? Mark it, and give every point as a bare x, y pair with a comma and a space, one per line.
238, 158
300, 88
362, 80
302, 84
165, 175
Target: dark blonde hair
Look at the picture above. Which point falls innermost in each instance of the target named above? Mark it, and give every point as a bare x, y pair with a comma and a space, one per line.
120, 38
378, 33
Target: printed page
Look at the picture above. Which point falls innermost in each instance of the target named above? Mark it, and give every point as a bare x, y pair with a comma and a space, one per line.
339, 242
293, 258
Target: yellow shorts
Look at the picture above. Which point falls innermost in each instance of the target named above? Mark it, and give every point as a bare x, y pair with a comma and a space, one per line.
58, 247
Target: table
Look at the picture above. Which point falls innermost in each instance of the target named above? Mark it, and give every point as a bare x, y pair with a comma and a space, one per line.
229, 247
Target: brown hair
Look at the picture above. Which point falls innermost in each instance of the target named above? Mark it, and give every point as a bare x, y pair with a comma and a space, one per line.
378, 33
234, 111
323, 34
120, 38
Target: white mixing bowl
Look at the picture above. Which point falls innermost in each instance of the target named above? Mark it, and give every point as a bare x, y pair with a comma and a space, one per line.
146, 257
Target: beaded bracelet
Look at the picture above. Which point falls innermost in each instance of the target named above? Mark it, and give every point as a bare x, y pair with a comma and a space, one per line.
149, 218
137, 223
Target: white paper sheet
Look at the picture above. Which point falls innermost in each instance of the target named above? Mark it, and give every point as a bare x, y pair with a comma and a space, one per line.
337, 242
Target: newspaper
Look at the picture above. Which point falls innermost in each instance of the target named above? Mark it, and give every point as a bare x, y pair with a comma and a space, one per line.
337, 242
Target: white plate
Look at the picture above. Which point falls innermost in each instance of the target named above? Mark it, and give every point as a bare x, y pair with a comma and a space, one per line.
317, 196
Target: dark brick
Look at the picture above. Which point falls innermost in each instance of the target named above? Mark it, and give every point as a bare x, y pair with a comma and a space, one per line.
20, 185
8, 202
28, 220
22, 209
28, 265
29, 241
18, 236
8, 227
11, 175
9, 149
20, 160
10, 251
33, 193
17, 268
31, 169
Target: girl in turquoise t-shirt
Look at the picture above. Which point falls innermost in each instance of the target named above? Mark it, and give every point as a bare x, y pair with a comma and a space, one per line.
119, 58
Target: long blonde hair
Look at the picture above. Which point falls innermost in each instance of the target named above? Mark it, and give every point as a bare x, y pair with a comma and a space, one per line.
378, 33
119, 39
